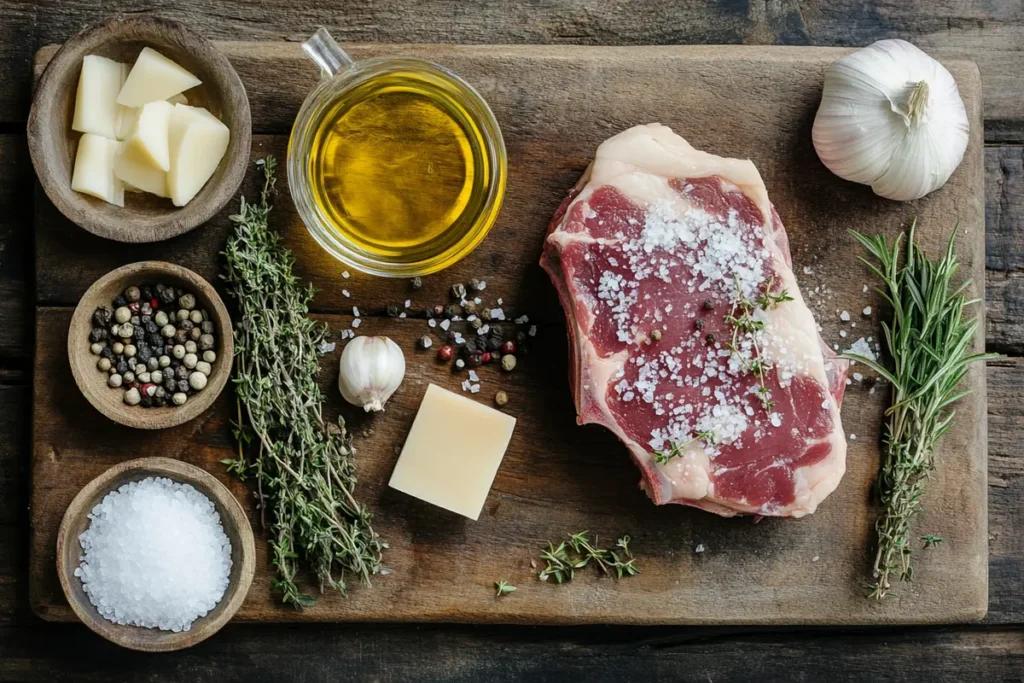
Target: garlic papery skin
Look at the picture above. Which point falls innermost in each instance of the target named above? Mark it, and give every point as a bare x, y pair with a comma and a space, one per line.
371, 370
891, 117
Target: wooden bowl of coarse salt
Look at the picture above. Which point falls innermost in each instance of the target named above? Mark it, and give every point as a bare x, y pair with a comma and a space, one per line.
153, 552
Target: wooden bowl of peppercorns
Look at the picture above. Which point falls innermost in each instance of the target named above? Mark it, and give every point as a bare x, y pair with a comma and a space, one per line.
150, 345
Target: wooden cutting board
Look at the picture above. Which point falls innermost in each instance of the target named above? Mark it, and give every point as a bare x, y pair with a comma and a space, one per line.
555, 105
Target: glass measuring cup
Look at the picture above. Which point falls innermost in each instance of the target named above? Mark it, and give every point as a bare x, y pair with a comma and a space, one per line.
325, 178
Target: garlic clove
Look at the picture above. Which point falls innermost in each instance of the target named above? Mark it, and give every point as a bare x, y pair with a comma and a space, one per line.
370, 371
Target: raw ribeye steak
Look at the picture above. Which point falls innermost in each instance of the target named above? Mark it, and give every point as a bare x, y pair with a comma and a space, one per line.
688, 335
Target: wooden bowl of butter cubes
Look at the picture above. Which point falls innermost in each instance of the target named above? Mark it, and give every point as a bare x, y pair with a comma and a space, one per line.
139, 130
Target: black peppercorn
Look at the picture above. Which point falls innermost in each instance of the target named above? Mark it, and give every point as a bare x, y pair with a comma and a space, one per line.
170, 385
122, 366
159, 401
102, 317
471, 346
207, 327
699, 324
168, 295
152, 328
144, 353
452, 310
146, 401
145, 319
186, 325
180, 337
393, 310
711, 339
120, 301
139, 333
159, 288
416, 282
709, 305
181, 372
494, 344
521, 337
98, 334
107, 352
155, 340
147, 292
183, 386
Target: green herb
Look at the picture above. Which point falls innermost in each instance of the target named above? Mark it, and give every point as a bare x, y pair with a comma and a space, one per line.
302, 463
562, 566
677, 448
931, 540
743, 322
503, 587
929, 340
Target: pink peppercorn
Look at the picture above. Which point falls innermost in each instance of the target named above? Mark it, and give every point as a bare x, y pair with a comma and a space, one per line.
445, 352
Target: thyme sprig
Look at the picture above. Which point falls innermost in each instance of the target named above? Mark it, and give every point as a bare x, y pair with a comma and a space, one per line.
561, 564
929, 341
746, 325
503, 587
302, 463
677, 448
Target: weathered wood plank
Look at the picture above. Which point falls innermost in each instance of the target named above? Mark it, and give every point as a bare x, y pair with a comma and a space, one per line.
1004, 248
15, 246
15, 410
990, 34
537, 655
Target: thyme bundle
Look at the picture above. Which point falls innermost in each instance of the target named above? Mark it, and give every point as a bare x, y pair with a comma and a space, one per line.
929, 341
305, 477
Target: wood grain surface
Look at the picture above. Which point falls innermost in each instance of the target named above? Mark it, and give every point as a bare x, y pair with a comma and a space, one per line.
989, 33
555, 106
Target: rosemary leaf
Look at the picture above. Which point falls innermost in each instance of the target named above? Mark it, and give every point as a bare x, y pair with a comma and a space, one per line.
302, 464
929, 341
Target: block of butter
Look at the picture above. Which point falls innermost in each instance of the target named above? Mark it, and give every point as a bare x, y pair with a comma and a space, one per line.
453, 452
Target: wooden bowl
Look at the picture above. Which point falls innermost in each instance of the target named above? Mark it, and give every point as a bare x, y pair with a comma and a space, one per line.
93, 382
232, 517
52, 143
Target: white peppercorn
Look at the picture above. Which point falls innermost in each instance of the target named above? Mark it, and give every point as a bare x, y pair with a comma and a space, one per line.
204, 367
129, 377
103, 364
178, 351
132, 397
114, 380
182, 314
195, 333
160, 393
96, 348
126, 331
130, 350
190, 346
117, 348
132, 362
160, 318
132, 293
209, 356
122, 315
179, 398
168, 331
164, 361
152, 364
156, 377
187, 302
144, 377
196, 317
190, 360
197, 381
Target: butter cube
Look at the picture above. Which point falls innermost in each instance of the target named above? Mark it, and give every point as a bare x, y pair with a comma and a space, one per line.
198, 141
152, 78
96, 107
453, 452
94, 169
129, 117
148, 141
138, 175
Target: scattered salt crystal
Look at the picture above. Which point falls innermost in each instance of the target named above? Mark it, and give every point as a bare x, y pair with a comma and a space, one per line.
522, 319
533, 331
857, 377
861, 348
432, 323
808, 270
357, 322
699, 549
844, 316
402, 314
853, 437
497, 314
849, 381
473, 376
474, 388
867, 310
408, 303
865, 289
484, 329
465, 385
500, 301
345, 274
842, 333
154, 555
345, 292
326, 347
445, 324
815, 558
355, 311
477, 301
835, 347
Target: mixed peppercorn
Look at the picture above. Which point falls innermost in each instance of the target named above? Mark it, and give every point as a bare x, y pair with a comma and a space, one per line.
155, 344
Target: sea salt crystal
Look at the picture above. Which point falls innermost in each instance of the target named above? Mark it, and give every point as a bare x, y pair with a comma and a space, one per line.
474, 388
533, 331
522, 319
808, 270
473, 376
861, 348
402, 314
357, 322
445, 324
345, 274
857, 377
154, 555
431, 323
853, 437
408, 303
842, 333
867, 310
699, 549
865, 289
345, 292
844, 316
355, 311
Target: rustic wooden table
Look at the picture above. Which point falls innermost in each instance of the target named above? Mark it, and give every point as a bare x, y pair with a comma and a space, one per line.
990, 33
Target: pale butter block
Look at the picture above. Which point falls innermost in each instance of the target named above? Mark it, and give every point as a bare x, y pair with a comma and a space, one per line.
152, 78
130, 115
148, 141
198, 141
453, 452
94, 169
138, 174
96, 107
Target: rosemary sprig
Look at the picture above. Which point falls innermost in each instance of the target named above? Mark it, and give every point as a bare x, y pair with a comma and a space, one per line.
562, 566
503, 587
305, 477
929, 340
742, 319
677, 448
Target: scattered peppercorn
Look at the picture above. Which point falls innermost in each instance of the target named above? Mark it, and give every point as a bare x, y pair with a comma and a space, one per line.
453, 310
445, 353
393, 310
711, 339
699, 323
439, 310
476, 323
416, 282
485, 357
501, 398
709, 305
474, 360
508, 347
655, 335
508, 362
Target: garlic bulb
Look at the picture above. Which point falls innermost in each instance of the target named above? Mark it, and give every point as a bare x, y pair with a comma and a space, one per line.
371, 370
891, 117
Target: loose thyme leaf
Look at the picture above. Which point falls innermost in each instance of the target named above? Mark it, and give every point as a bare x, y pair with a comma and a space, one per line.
929, 340
302, 464
503, 587
931, 540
